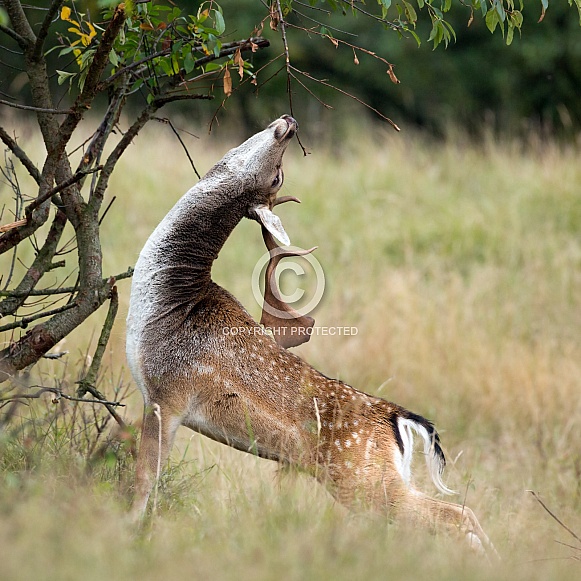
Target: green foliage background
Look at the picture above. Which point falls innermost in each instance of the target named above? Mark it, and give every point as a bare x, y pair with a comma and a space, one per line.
476, 81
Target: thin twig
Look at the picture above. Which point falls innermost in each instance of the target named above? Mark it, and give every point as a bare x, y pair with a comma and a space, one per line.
22, 43
167, 121
537, 498
21, 155
59, 393
36, 109
326, 105
63, 290
25, 321
320, 81
77, 177
90, 378
288, 67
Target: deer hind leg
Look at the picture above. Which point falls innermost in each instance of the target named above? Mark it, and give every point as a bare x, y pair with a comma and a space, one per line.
157, 436
419, 508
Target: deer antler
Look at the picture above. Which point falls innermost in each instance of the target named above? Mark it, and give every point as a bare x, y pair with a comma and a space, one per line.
289, 327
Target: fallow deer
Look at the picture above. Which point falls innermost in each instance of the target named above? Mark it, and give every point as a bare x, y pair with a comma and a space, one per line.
245, 389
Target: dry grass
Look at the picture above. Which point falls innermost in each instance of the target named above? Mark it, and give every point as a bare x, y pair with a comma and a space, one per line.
460, 266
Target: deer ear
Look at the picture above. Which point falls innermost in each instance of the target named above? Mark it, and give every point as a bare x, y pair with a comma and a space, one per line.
272, 223
289, 327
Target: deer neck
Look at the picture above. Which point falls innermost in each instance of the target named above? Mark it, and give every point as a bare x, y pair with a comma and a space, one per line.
174, 267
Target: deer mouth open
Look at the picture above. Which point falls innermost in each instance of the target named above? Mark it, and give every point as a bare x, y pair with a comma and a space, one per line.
286, 128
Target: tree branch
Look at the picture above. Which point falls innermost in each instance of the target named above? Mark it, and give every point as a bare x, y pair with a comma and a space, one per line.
25, 321
12, 34
87, 384
228, 48
280, 17
59, 393
43, 32
42, 263
91, 86
20, 24
21, 155
62, 290
35, 109
77, 177
321, 82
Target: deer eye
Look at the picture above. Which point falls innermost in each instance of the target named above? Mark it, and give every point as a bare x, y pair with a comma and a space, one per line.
277, 181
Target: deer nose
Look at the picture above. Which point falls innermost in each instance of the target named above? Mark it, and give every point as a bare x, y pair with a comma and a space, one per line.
291, 121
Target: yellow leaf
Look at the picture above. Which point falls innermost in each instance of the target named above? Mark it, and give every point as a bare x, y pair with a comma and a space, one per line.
227, 83
92, 31
66, 13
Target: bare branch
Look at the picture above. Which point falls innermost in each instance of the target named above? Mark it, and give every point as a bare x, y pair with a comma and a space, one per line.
43, 32
537, 498
41, 264
35, 109
61, 290
59, 393
21, 30
87, 384
12, 225
167, 121
282, 23
21, 155
25, 321
321, 82
67, 184
97, 195
12, 34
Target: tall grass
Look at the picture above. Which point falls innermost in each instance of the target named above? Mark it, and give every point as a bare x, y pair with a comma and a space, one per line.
460, 266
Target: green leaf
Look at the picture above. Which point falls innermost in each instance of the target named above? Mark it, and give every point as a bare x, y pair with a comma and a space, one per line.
509, 34
491, 20
410, 12
189, 62
498, 6
63, 76
113, 58
416, 37
212, 67
219, 20
3, 17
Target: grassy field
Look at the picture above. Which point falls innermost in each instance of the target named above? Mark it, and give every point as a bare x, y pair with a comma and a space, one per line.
460, 267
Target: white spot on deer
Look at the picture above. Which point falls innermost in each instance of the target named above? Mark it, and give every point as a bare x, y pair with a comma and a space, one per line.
368, 447
348, 443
